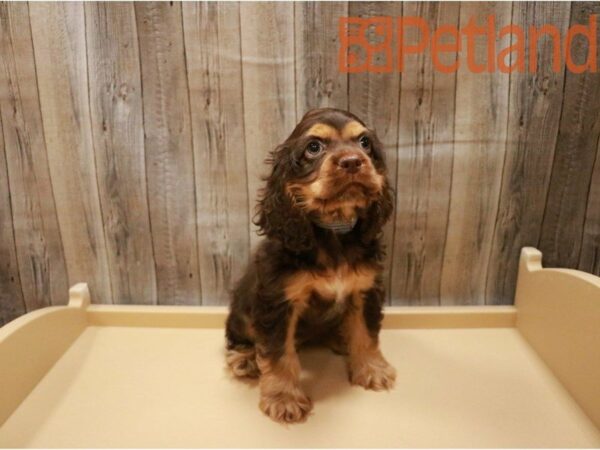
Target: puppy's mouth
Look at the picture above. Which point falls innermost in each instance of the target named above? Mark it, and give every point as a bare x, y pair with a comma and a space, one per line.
350, 187
350, 184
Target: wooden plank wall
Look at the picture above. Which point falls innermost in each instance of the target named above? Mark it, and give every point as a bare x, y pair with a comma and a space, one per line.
133, 138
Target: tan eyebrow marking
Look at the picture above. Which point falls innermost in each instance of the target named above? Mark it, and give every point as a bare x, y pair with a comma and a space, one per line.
352, 130
323, 131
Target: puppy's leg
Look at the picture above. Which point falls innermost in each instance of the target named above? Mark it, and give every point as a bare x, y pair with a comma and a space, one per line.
241, 354
281, 397
366, 365
337, 343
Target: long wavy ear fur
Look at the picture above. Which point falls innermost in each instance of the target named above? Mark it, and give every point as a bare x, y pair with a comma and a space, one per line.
378, 214
380, 211
276, 217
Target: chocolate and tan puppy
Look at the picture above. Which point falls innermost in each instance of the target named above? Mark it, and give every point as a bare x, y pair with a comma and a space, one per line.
316, 278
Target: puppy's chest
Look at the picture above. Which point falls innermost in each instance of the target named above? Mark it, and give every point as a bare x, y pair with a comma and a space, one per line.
331, 285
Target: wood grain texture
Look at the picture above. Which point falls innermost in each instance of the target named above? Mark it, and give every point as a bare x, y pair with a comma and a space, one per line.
589, 261
269, 87
134, 137
534, 113
12, 304
480, 125
213, 51
169, 155
37, 236
59, 46
574, 158
118, 136
319, 83
425, 153
375, 98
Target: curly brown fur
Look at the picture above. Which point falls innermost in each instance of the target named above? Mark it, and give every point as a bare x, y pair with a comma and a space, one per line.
307, 283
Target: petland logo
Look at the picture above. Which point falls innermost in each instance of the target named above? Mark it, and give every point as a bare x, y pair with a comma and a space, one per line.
359, 54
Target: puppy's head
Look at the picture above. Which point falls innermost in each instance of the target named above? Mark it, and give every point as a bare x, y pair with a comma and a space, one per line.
330, 171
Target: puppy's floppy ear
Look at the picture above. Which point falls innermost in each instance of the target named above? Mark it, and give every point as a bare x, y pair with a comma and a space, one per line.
378, 213
276, 216
380, 210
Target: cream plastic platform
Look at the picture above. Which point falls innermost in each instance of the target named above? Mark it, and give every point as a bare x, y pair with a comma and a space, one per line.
142, 376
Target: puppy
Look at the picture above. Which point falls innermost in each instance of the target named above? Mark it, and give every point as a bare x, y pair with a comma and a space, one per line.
316, 278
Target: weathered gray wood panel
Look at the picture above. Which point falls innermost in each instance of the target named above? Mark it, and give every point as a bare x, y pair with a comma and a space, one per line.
589, 260
574, 158
425, 154
58, 32
480, 123
169, 154
38, 242
534, 113
213, 53
118, 137
319, 83
12, 304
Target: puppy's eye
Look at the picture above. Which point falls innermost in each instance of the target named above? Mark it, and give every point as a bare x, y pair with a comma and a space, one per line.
313, 149
365, 143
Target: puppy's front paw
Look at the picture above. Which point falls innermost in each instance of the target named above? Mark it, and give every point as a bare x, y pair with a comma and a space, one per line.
373, 373
286, 407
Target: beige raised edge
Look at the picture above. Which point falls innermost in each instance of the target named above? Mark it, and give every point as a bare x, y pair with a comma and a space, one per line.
30, 345
449, 317
214, 317
558, 313
157, 316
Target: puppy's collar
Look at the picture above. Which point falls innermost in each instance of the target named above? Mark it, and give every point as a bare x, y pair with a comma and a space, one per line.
338, 227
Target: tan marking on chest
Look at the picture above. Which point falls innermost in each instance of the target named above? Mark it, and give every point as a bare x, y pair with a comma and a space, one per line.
331, 284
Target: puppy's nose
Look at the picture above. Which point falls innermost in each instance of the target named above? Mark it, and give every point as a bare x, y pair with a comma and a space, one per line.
351, 163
